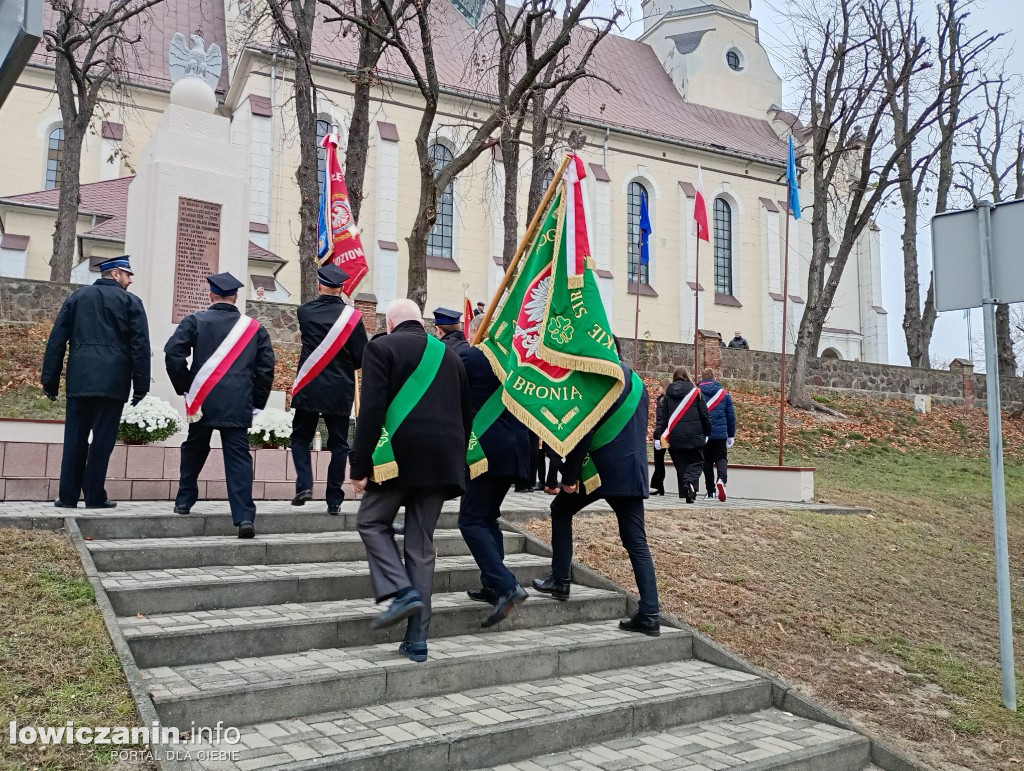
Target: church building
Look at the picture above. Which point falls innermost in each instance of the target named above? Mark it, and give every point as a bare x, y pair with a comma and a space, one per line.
696, 88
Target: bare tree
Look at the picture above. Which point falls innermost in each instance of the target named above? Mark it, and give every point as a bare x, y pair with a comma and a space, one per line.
994, 168
90, 47
852, 62
958, 54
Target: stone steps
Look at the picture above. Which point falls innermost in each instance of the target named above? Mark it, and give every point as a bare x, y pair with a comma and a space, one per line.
472, 728
233, 586
762, 740
259, 689
141, 554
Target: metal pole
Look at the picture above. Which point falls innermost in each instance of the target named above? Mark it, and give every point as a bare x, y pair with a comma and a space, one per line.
696, 305
995, 451
970, 345
636, 322
785, 324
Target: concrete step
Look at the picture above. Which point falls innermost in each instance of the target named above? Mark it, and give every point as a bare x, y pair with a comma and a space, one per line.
235, 586
276, 549
175, 639
259, 689
473, 728
763, 740
161, 522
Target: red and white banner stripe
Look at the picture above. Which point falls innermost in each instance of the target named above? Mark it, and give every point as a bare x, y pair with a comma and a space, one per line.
577, 239
700, 209
218, 364
329, 347
678, 413
716, 399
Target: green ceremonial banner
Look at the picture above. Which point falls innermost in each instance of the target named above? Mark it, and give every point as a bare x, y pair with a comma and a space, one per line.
552, 346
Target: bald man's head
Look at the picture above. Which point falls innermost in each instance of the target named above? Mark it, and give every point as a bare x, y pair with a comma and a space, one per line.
401, 311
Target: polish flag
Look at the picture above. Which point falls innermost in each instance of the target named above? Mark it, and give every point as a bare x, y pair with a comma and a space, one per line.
467, 315
700, 209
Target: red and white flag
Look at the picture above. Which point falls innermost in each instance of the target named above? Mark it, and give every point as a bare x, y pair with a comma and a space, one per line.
700, 209
678, 413
329, 347
577, 240
217, 366
467, 315
340, 241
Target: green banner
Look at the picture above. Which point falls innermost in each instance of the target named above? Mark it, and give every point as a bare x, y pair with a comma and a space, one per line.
489, 412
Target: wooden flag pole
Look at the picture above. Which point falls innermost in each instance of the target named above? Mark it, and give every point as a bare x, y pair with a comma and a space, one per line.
524, 244
696, 305
782, 379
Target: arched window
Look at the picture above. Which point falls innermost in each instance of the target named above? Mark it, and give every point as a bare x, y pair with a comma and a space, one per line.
723, 247
549, 176
323, 128
633, 196
54, 154
439, 242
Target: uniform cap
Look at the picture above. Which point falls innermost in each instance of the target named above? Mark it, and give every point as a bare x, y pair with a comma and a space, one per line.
224, 284
121, 263
331, 275
447, 316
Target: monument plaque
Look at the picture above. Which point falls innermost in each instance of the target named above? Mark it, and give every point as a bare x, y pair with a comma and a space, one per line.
196, 255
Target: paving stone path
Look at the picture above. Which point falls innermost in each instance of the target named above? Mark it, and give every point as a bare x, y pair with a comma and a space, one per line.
272, 636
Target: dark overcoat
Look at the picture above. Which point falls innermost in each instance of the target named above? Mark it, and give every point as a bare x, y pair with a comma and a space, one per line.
622, 463
693, 427
244, 387
430, 444
331, 392
108, 335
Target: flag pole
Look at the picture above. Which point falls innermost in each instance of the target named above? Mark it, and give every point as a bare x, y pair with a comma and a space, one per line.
531, 229
696, 303
782, 378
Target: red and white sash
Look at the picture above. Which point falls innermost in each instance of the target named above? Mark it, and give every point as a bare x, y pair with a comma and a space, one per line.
716, 399
217, 366
329, 347
678, 413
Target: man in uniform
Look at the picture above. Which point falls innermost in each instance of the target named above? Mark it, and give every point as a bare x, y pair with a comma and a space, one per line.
411, 439
109, 355
505, 443
229, 382
333, 338
618, 449
448, 324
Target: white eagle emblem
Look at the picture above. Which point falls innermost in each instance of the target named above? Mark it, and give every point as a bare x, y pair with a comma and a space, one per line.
196, 61
534, 309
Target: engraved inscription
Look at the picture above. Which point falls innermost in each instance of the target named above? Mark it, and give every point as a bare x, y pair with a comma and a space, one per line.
196, 255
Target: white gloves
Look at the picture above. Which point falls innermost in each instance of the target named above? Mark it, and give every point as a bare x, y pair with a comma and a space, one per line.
706, 439
730, 442
657, 444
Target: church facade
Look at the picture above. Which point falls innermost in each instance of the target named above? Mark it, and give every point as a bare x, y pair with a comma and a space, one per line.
695, 89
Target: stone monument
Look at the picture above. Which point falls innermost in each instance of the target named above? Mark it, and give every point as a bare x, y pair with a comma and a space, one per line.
188, 207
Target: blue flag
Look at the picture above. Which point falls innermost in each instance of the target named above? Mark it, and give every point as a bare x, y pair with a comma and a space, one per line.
645, 231
323, 233
794, 194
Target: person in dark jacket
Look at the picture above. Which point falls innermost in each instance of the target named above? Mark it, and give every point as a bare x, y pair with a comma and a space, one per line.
723, 434
448, 325
230, 401
427, 451
739, 341
506, 444
331, 390
685, 430
622, 466
658, 477
109, 356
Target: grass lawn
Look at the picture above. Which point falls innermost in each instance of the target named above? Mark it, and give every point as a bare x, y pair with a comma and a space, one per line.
55, 655
890, 616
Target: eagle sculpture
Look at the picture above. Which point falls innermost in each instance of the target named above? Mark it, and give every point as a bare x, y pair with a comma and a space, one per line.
194, 62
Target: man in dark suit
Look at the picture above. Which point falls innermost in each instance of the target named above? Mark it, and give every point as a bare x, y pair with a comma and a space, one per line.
622, 466
333, 339
506, 445
411, 438
220, 339
109, 356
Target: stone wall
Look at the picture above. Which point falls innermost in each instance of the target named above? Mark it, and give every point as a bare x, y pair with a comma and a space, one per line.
33, 302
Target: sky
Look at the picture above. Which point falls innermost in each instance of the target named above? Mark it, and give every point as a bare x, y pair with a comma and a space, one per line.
950, 340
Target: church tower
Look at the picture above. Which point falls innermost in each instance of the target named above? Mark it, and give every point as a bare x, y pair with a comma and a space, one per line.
712, 51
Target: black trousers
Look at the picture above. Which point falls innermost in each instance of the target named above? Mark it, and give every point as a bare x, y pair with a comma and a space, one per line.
304, 425
83, 466
658, 477
536, 465
630, 513
716, 458
479, 511
689, 462
237, 469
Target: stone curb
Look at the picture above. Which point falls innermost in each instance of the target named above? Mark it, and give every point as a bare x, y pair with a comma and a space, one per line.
784, 696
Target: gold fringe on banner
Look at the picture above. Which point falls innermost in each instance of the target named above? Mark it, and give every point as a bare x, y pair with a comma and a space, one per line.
576, 282
384, 472
478, 468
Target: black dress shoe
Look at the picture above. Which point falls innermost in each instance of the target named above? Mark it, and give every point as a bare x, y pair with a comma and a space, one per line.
246, 530
334, 509
62, 505
182, 510
483, 594
648, 625
553, 586
302, 497
658, 492
505, 605
107, 504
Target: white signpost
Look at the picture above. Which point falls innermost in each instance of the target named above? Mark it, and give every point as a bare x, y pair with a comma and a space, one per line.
974, 251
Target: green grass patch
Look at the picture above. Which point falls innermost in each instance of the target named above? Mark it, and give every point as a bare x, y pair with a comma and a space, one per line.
28, 402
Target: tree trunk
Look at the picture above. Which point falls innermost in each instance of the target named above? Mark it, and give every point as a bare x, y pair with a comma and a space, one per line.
913, 326
358, 143
1007, 358
306, 173
65, 232
510, 162
417, 241
538, 145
